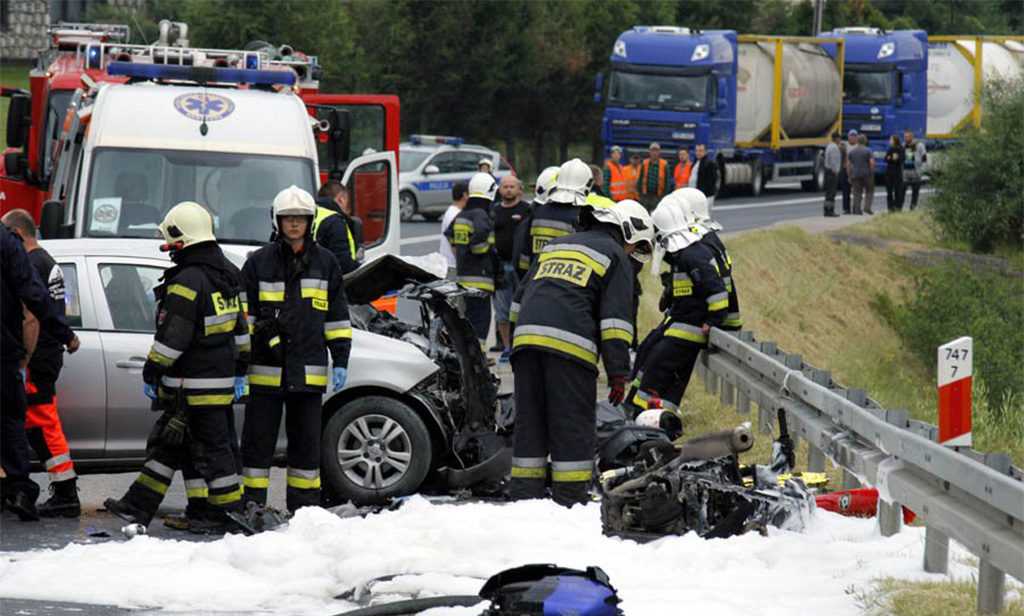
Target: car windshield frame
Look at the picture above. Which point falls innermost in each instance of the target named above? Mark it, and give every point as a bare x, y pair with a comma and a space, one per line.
405, 156
252, 215
641, 82
873, 78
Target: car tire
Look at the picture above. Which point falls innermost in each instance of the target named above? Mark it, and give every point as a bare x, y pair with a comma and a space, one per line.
407, 206
756, 178
359, 467
431, 216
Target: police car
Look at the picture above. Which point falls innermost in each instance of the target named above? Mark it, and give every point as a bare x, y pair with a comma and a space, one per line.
430, 165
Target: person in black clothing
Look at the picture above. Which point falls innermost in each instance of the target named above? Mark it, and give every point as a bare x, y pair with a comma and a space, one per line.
707, 174
194, 372
476, 264
42, 423
21, 288
336, 196
298, 313
894, 174
575, 306
511, 211
331, 229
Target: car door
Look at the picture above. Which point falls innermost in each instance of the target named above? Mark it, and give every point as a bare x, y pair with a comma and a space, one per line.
125, 309
373, 186
434, 190
81, 388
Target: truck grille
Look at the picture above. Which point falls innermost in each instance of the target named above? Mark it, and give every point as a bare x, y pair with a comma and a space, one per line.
646, 131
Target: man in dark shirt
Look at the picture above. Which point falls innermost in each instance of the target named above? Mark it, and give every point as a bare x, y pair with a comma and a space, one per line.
507, 216
42, 423
20, 285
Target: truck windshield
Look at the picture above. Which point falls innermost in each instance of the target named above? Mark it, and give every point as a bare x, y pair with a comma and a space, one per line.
58, 107
658, 91
867, 87
130, 190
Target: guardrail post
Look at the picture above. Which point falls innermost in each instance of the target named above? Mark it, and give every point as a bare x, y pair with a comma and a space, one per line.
728, 393
889, 517
991, 580
850, 482
742, 402
711, 382
702, 370
936, 550
858, 396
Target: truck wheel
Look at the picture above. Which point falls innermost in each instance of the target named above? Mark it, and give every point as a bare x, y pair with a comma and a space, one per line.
407, 205
756, 178
817, 183
373, 449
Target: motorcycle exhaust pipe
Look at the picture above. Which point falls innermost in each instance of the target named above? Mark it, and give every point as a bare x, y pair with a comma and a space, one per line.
718, 444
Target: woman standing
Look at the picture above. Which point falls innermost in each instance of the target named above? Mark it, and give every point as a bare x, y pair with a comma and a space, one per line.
894, 173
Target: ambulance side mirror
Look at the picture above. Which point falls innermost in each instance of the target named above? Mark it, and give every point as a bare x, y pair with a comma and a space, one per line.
19, 120
50, 218
338, 141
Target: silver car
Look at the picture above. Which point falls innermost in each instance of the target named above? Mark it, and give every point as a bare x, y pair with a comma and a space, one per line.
402, 419
428, 170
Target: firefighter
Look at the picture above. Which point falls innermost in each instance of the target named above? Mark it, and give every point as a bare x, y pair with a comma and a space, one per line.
330, 226
544, 186
557, 216
698, 204
42, 424
694, 299
575, 306
298, 313
195, 370
471, 235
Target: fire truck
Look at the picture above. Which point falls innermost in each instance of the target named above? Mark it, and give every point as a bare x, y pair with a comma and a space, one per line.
111, 135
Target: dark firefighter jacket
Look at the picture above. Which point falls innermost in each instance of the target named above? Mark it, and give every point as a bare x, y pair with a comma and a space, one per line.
577, 301
331, 232
732, 320
694, 293
471, 235
297, 312
202, 339
544, 223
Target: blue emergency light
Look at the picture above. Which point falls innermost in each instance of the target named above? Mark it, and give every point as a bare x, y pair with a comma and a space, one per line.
435, 140
201, 74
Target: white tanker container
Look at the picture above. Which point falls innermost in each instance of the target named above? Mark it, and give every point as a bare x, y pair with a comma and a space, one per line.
951, 67
812, 95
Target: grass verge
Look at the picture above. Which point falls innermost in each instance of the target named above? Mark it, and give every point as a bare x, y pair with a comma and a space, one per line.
903, 598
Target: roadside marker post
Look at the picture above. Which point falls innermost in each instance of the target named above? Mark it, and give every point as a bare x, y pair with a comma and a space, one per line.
956, 359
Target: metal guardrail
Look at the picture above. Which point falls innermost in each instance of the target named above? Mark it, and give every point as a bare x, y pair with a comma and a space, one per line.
974, 498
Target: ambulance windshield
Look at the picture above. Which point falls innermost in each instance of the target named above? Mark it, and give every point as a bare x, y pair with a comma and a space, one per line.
130, 190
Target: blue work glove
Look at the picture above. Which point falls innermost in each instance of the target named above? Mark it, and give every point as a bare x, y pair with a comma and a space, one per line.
149, 390
339, 377
240, 388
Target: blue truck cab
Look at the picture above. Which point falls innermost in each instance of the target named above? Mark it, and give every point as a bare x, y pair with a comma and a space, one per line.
885, 85
672, 86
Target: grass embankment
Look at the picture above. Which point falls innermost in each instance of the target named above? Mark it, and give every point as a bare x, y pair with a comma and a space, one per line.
836, 299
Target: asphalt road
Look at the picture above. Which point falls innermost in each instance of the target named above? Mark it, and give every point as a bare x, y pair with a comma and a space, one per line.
775, 205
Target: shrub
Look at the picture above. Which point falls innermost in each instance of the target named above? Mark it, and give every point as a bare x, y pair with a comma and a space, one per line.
980, 187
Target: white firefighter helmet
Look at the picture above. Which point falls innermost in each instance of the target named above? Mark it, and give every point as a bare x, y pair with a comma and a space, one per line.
545, 184
698, 203
186, 224
483, 186
662, 419
293, 201
574, 182
634, 222
674, 226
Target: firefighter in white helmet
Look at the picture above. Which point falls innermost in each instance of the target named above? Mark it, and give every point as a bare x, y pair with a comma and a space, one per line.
471, 235
558, 215
575, 307
694, 300
299, 315
194, 372
698, 204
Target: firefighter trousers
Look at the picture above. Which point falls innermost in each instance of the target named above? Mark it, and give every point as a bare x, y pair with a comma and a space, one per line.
555, 415
42, 423
208, 459
259, 439
665, 372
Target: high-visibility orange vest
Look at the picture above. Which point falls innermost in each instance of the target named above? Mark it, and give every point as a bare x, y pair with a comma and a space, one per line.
630, 175
619, 186
645, 169
682, 174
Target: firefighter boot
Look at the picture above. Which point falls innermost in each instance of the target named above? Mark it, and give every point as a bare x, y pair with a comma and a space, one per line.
63, 501
128, 511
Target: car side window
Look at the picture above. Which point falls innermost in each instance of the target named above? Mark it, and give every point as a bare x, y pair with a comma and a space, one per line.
468, 162
445, 162
72, 297
129, 293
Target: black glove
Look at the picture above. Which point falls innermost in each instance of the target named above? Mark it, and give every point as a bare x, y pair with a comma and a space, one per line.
175, 430
617, 393
266, 334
